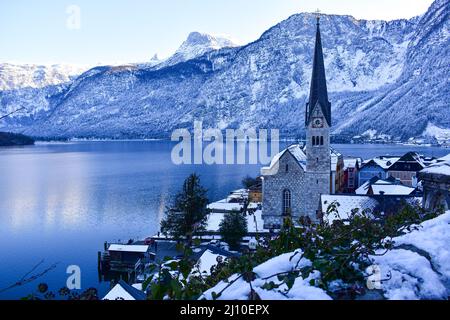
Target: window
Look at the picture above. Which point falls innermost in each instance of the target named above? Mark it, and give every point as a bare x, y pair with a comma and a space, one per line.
287, 168
313, 141
286, 202
321, 141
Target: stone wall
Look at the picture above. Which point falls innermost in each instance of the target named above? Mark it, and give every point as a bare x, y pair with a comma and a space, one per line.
436, 190
273, 187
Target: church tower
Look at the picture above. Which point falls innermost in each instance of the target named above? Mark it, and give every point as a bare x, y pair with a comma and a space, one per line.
318, 124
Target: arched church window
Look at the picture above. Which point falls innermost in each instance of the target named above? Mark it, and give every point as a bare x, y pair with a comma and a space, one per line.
287, 202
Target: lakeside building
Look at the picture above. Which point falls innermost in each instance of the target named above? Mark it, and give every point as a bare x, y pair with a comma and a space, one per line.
406, 168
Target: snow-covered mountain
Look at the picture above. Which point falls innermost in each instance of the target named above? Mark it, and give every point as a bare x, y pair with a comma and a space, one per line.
196, 45
15, 76
388, 78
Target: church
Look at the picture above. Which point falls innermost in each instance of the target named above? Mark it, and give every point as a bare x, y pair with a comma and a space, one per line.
297, 177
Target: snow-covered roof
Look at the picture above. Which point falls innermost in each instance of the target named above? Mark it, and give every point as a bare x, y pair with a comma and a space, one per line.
385, 162
123, 291
295, 150
351, 162
224, 206
391, 189
441, 168
128, 248
386, 187
347, 204
445, 158
363, 189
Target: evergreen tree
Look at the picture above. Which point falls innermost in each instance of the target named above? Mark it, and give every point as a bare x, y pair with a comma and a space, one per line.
188, 213
233, 228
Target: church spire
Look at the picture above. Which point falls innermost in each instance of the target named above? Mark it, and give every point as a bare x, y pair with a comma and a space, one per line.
318, 93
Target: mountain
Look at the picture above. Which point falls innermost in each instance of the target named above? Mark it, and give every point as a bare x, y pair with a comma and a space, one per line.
389, 78
13, 76
196, 45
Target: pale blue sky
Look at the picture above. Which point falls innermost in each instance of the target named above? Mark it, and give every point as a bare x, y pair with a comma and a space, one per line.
120, 31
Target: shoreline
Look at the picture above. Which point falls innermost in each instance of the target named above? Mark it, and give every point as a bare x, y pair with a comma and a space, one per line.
74, 140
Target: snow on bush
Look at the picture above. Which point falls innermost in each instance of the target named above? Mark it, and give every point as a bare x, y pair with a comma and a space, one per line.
417, 268
236, 288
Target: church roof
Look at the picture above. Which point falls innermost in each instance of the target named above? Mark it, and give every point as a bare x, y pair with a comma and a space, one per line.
318, 92
295, 150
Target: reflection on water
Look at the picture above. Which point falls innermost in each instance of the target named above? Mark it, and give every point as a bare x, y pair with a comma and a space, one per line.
60, 202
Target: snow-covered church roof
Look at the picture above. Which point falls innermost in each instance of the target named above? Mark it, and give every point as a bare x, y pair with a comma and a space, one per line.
298, 152
295, 150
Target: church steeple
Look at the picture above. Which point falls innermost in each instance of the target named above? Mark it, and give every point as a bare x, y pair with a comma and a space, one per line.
318, 92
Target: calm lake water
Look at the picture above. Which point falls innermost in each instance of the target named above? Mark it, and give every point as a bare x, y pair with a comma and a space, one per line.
60, 202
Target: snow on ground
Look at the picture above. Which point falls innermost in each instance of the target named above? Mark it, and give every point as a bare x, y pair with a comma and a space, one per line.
266, 273
434, 238
255, 222
412, 277
418, 268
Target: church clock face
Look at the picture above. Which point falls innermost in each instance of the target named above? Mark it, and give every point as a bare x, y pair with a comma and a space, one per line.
317, 122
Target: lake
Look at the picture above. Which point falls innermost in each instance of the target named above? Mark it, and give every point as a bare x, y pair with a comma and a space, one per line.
61, 201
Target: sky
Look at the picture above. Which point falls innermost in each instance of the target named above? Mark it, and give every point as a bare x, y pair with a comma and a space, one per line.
87, 32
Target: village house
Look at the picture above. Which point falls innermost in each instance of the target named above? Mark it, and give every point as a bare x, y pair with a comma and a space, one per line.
376, 167
406, 168
351, 170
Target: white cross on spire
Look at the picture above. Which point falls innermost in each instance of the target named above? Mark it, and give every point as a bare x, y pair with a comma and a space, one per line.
318, 15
